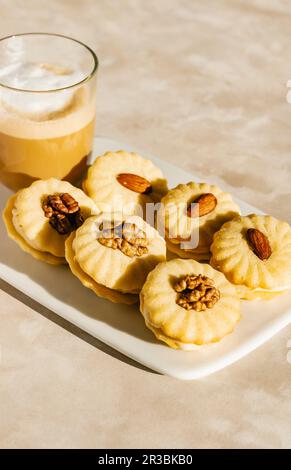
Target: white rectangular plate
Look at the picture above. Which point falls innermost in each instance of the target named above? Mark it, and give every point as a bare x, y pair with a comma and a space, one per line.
122, 327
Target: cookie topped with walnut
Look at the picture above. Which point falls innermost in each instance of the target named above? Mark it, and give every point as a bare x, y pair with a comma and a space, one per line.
114, 253
40, 218
187, 304
254, 253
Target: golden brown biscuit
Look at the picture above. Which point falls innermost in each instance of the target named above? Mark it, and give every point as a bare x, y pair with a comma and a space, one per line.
117, 254
124, 182
87, 281
254, 253
14, 235
40, 217
192, 213
187, 304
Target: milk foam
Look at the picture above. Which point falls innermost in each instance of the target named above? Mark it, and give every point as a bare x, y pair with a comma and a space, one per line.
37, 77
43, 115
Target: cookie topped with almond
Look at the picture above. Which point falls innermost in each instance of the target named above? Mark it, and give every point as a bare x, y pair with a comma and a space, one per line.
254, 253
190, 214
124, 182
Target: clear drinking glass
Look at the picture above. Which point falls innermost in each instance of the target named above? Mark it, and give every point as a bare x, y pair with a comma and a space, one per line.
47, 107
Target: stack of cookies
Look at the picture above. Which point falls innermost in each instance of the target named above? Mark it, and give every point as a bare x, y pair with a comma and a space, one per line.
191, 214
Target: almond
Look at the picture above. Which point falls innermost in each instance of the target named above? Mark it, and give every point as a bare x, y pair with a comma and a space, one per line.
259, 243
135, 183
206, 203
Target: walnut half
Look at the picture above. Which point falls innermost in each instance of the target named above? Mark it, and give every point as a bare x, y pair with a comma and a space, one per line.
196, 292
63, 211
126, 237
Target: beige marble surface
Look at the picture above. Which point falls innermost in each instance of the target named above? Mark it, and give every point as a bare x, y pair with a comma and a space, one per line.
203, 84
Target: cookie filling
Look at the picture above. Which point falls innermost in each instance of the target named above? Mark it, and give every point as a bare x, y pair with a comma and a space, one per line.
196, 292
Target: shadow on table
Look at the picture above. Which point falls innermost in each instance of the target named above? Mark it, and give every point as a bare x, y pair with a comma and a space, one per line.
70, 327
63, 286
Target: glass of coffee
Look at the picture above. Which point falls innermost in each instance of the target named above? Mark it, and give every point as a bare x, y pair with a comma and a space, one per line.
47, 108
